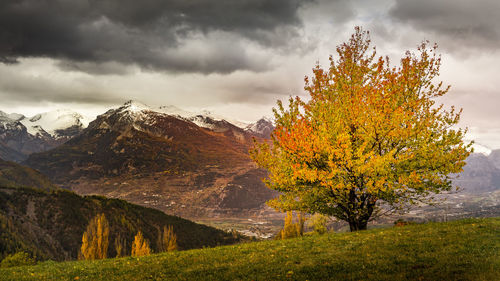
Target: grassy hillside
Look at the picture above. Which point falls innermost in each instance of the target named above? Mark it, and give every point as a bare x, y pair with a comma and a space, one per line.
460, 250
15, 175
50, 225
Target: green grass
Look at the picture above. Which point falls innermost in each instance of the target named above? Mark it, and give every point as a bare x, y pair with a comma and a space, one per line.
461, 250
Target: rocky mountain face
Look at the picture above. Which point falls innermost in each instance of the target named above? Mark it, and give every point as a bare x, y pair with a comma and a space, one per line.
193, 166
21, 136
481, 173
494, 157
262, 128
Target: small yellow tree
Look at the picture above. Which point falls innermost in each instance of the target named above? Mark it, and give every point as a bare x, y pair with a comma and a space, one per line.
140, 246
120, 246
167, 239
291, 229
299, 226
95, 239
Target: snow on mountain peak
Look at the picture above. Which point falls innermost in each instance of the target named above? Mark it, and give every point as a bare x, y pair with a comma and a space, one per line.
198, 117
479, 148
174, 110
131, 112
53, 121
135, 106
134, 111
10, 117
264, 126
267, 118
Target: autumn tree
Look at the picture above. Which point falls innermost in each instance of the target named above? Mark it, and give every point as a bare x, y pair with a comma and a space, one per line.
140, 246
371, 134
120, 246
95, 239
291, 229
167, 239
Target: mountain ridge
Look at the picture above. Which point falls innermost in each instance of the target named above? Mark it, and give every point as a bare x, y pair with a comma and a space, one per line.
21, 136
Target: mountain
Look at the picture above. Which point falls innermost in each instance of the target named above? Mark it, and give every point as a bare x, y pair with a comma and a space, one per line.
15, 175
194, 166
479, 148
262, 128
50, 225
199, 118
494, 157
21, 136
15, 141
481, 173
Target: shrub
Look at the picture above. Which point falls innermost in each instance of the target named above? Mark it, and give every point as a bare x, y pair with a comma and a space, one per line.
318, 223
17, 259
167, 240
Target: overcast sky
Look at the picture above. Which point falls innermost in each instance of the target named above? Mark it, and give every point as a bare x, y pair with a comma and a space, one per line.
235, 57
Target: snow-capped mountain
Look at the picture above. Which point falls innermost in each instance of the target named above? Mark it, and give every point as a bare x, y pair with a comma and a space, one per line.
10, 122
263, 127
20, 136
202, 168
138, 112
61, 123
5, 117
483, 149
205, 118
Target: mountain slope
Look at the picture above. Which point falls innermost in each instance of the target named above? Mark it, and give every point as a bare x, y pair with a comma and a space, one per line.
262, 128
50, 225
15, 175
159, 160
494, 157
8, 153
480, 174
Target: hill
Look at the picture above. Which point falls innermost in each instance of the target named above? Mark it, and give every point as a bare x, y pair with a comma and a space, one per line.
15, 175
459, 250
50, 225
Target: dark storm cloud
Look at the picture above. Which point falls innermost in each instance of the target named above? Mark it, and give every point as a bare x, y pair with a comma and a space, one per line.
149, 33
462, 23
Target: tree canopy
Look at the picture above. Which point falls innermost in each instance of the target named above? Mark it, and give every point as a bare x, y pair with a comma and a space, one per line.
370, 134
95, 239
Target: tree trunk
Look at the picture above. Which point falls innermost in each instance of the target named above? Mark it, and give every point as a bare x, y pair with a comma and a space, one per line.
356, 225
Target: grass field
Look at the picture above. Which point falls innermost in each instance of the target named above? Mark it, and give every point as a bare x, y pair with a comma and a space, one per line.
460, 250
